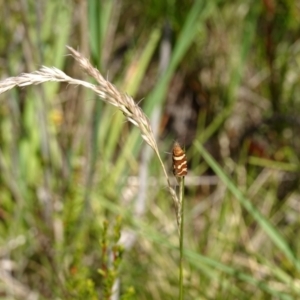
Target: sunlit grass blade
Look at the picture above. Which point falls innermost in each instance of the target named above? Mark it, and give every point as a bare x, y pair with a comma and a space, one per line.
270, 230
272, 164
195, 19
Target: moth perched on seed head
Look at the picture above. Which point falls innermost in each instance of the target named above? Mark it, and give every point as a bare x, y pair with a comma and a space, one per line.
179, 161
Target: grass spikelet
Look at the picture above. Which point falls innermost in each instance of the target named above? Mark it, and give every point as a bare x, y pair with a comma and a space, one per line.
107, 93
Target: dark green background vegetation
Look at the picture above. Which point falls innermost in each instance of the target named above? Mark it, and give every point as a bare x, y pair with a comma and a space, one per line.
72, 170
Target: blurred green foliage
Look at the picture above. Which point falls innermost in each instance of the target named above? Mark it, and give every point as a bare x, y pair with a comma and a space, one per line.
68, 161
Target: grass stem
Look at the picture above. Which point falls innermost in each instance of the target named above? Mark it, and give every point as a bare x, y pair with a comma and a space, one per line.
181, 207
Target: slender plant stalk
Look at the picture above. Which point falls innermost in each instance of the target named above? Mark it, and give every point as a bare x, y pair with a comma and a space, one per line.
180, 170
181, 201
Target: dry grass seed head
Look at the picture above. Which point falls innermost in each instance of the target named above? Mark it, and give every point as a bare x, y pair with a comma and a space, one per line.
105, 90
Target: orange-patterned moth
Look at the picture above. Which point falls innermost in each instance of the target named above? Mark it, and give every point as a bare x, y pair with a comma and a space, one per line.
179, 161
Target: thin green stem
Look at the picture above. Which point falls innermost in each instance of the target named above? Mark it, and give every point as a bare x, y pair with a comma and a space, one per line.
181, 207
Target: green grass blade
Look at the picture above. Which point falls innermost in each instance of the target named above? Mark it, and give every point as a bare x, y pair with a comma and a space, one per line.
199, 11
270, 230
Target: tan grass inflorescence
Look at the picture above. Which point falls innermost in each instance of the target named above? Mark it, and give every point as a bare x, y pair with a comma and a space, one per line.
105, 90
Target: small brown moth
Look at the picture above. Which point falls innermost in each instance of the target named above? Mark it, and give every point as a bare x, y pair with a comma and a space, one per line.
179, 161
